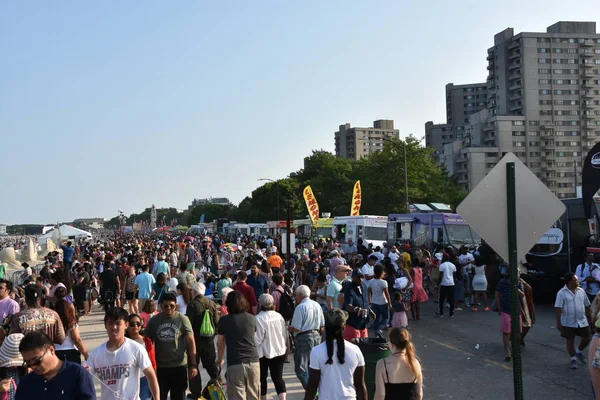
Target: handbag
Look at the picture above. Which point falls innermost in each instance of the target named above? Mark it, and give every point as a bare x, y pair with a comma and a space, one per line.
206, 328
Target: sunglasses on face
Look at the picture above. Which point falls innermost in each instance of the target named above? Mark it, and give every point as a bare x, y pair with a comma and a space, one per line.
37, 361
135, 324
171, 306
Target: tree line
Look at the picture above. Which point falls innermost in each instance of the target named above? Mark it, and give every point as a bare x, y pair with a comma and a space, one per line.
332, 178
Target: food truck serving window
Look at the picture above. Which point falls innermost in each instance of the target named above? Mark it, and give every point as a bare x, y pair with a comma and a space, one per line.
340, 232
403, 230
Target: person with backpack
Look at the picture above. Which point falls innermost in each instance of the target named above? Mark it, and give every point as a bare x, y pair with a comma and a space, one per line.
203, 314
283, 298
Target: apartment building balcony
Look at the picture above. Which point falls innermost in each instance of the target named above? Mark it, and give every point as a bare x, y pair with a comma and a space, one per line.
516, 108
462, 170
588, 105
514, 66
490, 56
588, 64
516, 96
587, 84
547, 125
551, 157
549, 179
488, 127
549, 137
588, 116
549, 168
514, 76
587, 43
514, 45
461, 158
490, 67
587, 94
587, 53
462, 180
587, 73
565, 180
547, 144
589, 135
513, 55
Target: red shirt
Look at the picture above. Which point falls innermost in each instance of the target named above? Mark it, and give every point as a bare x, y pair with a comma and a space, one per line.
150, 350
248, 293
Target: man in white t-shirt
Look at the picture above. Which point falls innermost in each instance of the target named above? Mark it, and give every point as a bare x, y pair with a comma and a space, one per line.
368, 269
119, 363
394, 256
447, 270
332, 379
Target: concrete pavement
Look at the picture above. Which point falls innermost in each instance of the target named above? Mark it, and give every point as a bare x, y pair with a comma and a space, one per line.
452, 365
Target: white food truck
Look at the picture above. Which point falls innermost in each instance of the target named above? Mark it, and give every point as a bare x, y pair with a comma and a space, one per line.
370, 228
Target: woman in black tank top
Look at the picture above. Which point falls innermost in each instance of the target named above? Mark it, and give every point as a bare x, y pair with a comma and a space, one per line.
399, 376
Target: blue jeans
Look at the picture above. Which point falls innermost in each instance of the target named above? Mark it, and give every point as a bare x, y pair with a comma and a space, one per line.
382, 315
145, 389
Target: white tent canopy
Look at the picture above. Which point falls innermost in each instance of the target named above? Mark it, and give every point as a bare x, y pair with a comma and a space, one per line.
63, 233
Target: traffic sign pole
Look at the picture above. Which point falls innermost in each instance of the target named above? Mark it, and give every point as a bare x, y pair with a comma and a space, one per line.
514, 280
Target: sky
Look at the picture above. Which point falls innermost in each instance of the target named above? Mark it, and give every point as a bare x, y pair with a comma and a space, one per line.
112, 105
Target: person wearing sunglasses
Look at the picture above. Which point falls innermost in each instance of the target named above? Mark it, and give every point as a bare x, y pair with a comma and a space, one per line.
134, 332
119, 363
175, 348
51, 377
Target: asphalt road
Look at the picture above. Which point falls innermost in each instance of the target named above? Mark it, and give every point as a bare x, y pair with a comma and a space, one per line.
453, 367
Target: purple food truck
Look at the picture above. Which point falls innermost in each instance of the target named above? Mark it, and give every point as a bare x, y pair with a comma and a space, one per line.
431, 229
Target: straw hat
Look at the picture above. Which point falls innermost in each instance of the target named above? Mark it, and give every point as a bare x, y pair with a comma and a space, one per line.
9, 351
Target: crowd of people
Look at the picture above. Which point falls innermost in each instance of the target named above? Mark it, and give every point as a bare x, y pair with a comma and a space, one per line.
173, 304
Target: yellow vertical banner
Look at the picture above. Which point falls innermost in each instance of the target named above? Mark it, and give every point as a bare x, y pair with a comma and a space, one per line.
311, 204
356, 200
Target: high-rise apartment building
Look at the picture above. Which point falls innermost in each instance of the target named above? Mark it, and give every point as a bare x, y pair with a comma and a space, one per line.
462, 101
356, 143
543, 104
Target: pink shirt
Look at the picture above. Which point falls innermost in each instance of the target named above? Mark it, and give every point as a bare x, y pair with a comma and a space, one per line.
8, 307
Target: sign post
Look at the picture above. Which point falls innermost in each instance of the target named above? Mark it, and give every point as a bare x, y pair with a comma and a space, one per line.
515, 315
511, 224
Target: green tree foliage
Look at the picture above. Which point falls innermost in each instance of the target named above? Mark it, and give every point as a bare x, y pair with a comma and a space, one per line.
211, 212
382, 177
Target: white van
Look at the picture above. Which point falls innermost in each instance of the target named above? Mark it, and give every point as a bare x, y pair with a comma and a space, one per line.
372, 229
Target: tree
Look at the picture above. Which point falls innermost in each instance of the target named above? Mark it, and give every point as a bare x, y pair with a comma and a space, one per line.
331, 179
211, 212
382, 177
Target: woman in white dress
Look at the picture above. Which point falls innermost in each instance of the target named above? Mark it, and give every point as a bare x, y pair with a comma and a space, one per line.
479, 283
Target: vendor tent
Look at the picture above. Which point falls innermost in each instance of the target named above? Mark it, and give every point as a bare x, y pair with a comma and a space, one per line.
64, 232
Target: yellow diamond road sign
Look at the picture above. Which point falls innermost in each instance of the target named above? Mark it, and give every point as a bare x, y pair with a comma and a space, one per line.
485, 208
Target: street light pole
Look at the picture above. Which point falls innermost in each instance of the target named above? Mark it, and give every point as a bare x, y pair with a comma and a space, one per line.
405, 177
277, 188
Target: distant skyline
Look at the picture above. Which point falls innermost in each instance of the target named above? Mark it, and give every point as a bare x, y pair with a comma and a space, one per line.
111, 105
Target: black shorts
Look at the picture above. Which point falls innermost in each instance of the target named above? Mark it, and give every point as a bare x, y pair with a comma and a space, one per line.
129, 295
570, 333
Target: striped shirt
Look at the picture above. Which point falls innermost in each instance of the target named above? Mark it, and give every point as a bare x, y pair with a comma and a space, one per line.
504, 289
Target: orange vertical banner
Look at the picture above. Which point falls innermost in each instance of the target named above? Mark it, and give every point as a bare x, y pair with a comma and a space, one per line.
356, 200
311, 204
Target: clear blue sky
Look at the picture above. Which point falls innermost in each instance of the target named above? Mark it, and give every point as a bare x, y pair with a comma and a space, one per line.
117, 105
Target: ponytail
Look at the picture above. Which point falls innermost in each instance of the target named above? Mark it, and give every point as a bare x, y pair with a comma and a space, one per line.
400, 338
330, 336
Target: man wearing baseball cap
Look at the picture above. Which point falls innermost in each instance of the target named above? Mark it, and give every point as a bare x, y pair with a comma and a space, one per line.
335, 287
356, 303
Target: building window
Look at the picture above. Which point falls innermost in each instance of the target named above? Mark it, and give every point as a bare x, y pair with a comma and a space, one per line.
534, 144
517, 123
545, 91
558, 82
556, 50
555, 92
544, 81
533, 133
518, 133
571, 51
543, 50
519, 144
544, 60
544, 71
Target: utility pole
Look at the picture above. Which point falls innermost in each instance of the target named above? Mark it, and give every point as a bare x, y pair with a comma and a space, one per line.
405, 178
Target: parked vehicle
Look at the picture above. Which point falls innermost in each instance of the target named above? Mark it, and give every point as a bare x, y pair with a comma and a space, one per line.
372, 229
430, 229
